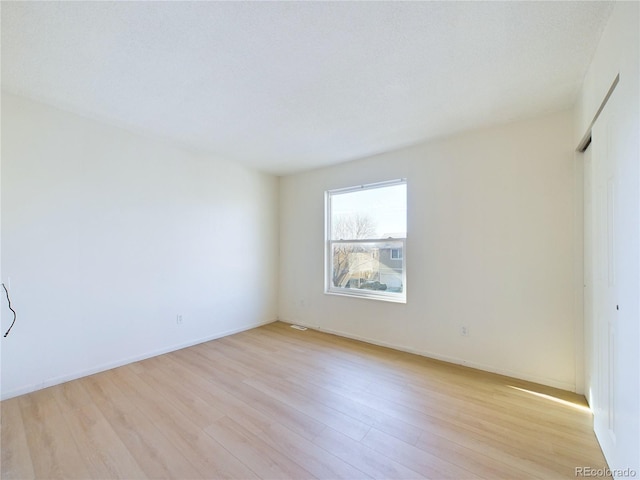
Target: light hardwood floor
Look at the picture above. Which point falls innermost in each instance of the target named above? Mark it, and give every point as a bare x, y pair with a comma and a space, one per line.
275, 402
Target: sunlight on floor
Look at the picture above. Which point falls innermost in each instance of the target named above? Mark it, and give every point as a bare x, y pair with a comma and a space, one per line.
577, 406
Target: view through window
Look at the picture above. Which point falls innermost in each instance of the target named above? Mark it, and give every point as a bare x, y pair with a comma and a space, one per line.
367, 230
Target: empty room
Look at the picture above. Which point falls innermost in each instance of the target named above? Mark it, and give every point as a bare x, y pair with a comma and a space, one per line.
297, 240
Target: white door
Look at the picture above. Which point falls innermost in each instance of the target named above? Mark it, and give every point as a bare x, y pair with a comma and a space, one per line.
603, 272
590, 348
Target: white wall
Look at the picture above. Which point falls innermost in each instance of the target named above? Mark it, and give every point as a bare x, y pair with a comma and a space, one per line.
619, 53
107, 236
491, 245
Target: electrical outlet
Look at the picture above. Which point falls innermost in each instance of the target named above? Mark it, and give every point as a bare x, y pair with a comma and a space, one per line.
464, 331
179, 319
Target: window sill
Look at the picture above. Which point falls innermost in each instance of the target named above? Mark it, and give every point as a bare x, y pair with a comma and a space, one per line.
369, 296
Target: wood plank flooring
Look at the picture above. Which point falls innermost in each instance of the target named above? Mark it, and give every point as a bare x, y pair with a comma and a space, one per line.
276, 403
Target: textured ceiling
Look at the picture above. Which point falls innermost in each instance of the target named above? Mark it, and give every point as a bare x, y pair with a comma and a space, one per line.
288, 86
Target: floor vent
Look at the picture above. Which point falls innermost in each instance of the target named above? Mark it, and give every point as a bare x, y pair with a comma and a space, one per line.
298, 327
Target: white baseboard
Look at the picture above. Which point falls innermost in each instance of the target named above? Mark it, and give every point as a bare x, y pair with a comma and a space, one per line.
118, 363
445, 358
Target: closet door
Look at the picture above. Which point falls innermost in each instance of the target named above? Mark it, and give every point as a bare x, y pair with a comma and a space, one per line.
590, 347
604, 247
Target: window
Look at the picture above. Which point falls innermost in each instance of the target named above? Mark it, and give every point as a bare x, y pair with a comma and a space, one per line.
396, 254
366, 230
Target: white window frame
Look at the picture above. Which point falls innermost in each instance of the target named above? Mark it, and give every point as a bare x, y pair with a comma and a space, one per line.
400, 254
397, 297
